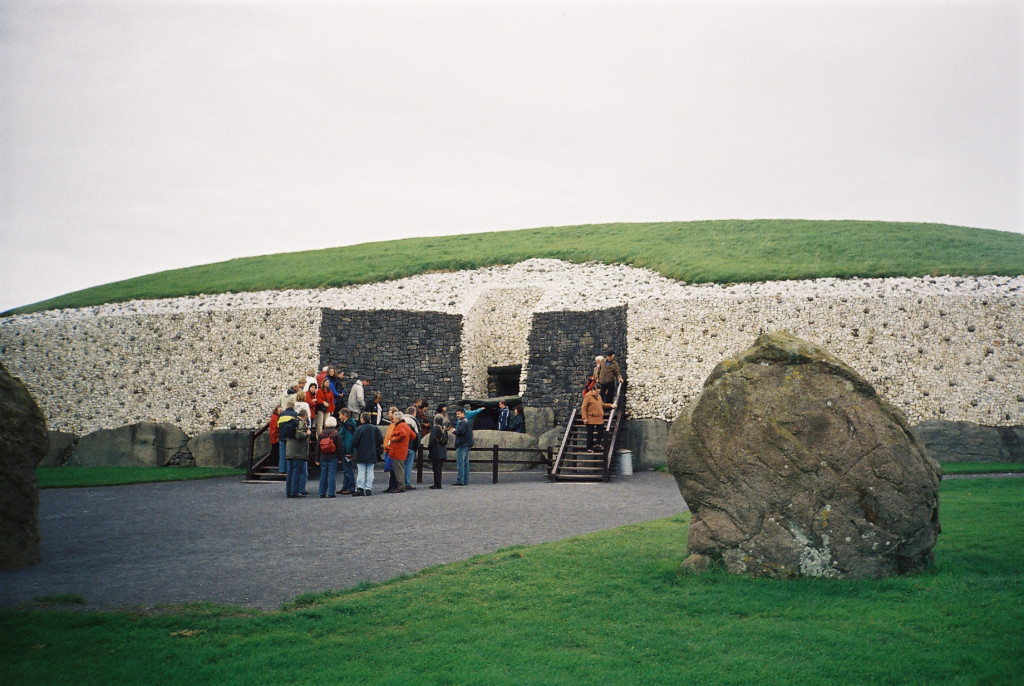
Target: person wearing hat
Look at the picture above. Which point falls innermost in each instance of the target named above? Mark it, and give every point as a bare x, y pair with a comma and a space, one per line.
608, 374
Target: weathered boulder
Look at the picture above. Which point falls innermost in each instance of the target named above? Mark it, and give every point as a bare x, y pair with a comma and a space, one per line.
221, 448
145, 444
23, 443
61, 446
539, 420
793, 466
551, 438
646, 438
506, 440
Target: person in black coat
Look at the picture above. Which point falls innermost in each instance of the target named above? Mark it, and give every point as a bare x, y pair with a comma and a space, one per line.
367, 444
438, 447
518, 421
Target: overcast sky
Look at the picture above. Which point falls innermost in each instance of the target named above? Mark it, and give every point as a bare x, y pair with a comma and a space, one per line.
139, 136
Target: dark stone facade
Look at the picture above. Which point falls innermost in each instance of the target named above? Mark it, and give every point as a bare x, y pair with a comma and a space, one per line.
968, 442
562, 350
405, 354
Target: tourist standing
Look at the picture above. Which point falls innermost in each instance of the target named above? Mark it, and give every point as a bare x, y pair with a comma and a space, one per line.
324, 405
297, 452
608, 375
366, 447
414, 445
347, 430
397, 447
593, 418
518, 421
334, 386
329, 450
438, 447
463, 442
275, 441
502, 416
378, 408
357, 397
310, 379
301, 403
422, 417
286, 423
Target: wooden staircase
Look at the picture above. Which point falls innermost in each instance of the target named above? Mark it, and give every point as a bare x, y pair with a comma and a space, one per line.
574, 462
264, 468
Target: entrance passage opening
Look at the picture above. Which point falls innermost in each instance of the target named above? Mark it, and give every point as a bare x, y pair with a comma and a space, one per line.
503, 381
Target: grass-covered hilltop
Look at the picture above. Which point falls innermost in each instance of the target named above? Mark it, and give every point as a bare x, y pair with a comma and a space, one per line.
726, 251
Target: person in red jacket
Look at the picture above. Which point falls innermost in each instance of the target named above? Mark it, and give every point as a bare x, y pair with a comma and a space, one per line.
311, 399
324, 406
398, 449
275, 441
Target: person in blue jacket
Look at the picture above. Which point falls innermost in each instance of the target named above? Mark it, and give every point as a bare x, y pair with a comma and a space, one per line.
463, 442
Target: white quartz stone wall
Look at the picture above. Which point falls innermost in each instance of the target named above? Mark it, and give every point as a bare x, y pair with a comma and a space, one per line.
494, 333
944, 347
954, 354
198, 370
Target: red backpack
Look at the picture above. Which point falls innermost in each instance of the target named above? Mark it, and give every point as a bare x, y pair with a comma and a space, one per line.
328, 445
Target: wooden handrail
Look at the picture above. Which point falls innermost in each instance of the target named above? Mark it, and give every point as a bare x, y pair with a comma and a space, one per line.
251, 448
494, 459
617, 413
565, 441
618, 396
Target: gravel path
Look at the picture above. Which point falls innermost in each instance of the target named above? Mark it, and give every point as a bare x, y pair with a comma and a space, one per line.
223, 541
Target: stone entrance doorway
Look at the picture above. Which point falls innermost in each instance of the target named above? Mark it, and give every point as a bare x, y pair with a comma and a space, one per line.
504, 380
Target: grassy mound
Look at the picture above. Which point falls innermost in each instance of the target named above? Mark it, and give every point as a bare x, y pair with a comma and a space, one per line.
610, 607
700, 252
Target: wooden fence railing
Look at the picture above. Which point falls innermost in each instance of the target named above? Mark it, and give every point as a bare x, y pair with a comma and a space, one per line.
494, 460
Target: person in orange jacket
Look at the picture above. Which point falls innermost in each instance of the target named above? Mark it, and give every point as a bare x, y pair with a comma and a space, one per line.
275, 441
593, 417
397, 447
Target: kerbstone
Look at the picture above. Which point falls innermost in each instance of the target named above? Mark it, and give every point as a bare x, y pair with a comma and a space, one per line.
227, 448
146, 444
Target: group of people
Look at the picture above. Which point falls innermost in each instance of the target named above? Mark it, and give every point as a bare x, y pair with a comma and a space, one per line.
317, 420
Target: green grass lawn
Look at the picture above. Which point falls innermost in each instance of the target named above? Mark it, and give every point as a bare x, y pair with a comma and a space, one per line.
74, 477
609, 608
706, 251
981, 467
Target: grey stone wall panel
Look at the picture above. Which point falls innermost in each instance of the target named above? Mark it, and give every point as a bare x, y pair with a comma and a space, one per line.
405, 354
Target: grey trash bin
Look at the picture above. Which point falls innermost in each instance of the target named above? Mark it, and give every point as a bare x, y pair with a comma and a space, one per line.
625, 463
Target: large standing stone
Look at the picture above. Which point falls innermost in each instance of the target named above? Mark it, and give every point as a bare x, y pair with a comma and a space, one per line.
969, 442
506, 440
647, 438
539, 420
222, 448
23, 443
61, 446
145, 444
793, 466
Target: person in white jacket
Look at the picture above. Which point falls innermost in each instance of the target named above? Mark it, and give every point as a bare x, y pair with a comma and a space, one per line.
356, 399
